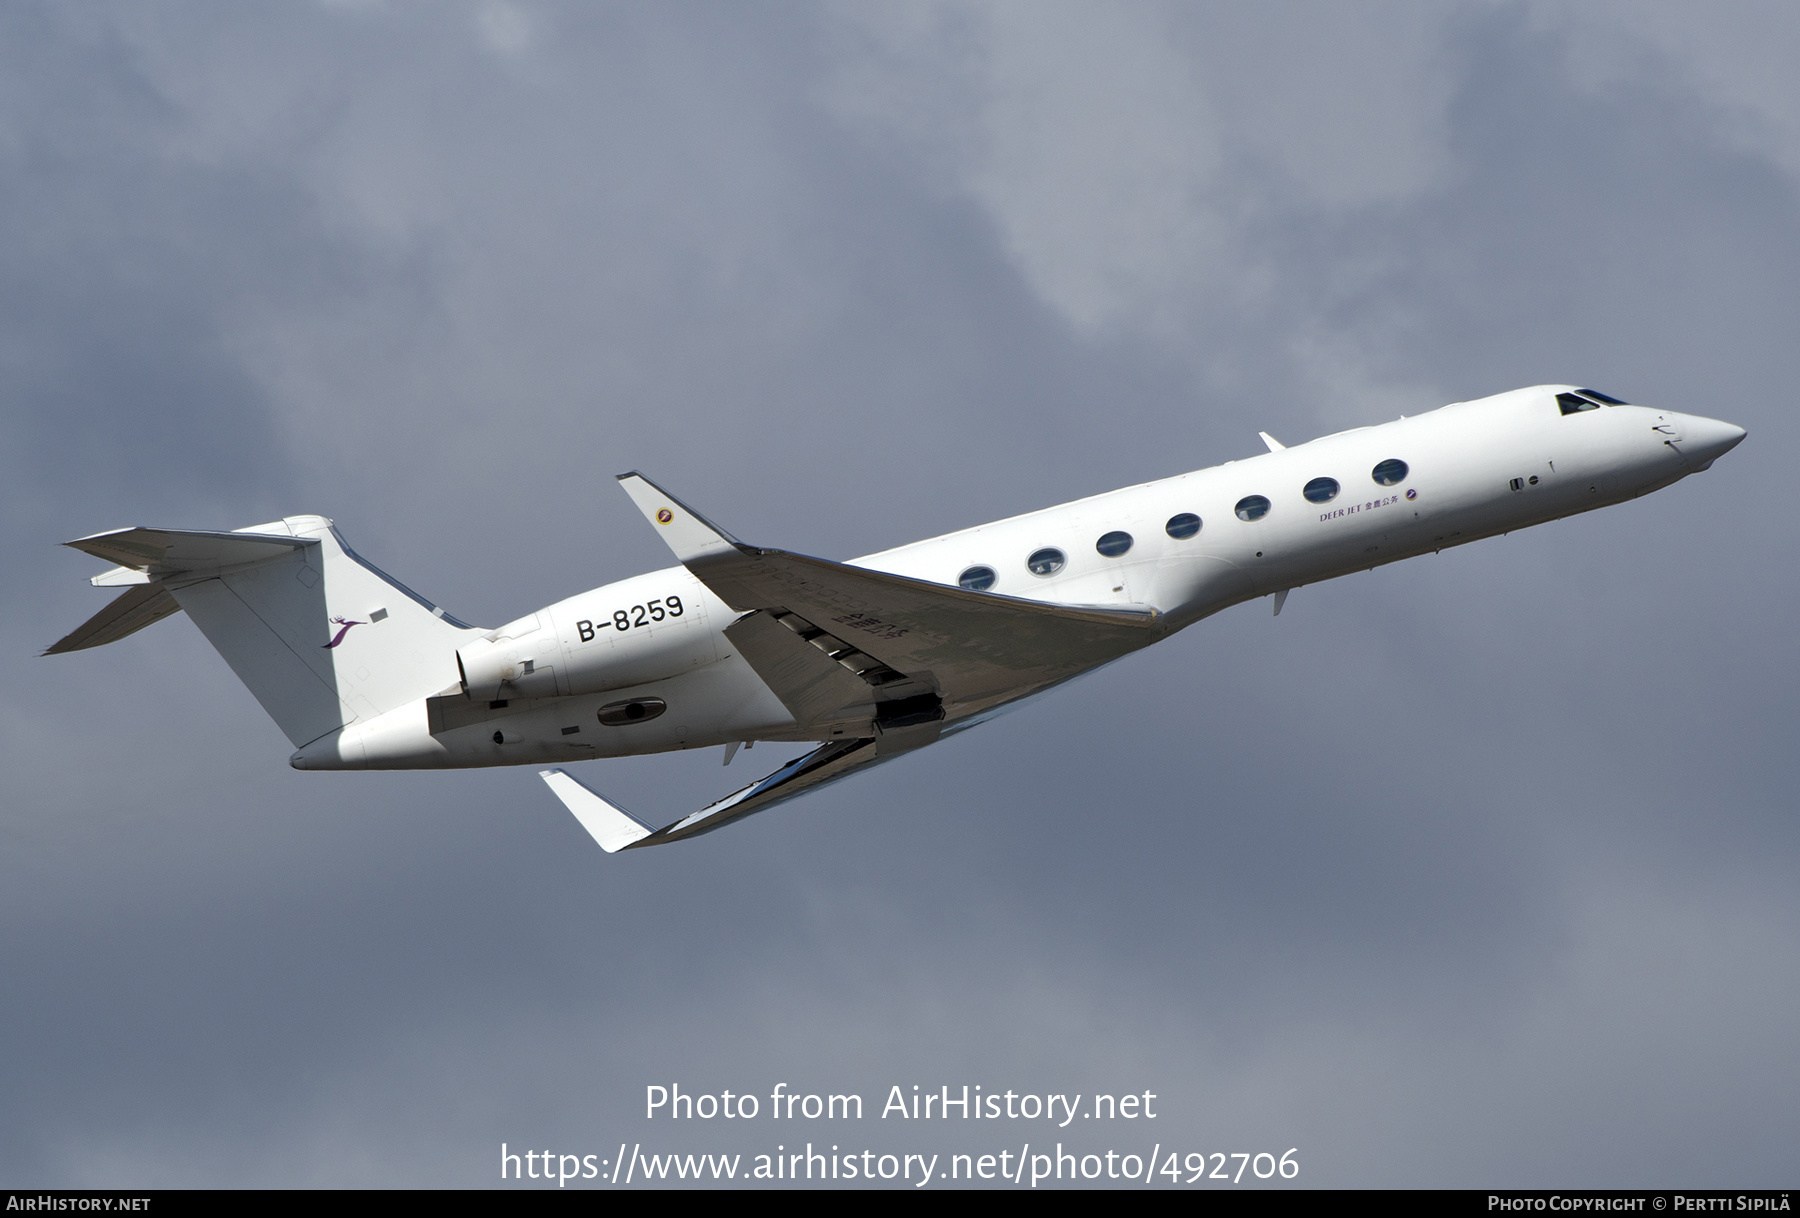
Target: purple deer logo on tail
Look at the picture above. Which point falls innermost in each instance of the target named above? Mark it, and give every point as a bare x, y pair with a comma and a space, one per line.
346, 623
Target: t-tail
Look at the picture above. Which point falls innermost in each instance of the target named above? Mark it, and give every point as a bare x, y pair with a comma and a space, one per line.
321, 637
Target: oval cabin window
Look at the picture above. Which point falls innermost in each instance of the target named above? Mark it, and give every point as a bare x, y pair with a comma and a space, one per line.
1047, 561
977, 579
1252, 507
1183, 526
1389, 472
1321, 490
1114, 543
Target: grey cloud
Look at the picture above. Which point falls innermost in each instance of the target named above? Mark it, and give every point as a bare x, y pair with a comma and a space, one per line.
1472, 870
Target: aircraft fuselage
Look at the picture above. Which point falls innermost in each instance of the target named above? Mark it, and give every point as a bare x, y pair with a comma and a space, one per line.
560, 685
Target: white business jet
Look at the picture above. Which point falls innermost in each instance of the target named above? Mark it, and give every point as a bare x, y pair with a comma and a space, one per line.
874, 657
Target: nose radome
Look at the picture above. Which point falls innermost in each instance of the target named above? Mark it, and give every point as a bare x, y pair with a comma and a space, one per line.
1706, 440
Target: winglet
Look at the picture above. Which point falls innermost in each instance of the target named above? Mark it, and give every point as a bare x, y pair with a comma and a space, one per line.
1275, 445
691, 535
610, 825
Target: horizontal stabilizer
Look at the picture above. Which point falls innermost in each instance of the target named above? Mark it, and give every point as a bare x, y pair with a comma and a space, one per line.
126, 614
145, 558
611, 826
615, 829
173, 551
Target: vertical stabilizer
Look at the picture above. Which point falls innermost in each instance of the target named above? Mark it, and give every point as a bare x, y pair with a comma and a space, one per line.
319, 636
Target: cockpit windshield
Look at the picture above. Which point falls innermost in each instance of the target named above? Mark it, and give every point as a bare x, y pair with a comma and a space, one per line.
1586, 399
1601, 397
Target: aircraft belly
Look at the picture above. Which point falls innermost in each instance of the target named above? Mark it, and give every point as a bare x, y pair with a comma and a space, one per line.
715, 705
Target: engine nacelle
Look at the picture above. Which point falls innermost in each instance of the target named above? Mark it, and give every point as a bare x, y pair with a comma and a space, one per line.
629, 633
519, 660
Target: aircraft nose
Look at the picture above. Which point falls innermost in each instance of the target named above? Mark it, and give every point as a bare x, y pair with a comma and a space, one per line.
1706, 440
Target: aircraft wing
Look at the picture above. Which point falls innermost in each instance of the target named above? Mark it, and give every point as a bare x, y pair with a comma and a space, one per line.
906, 640
616, 829
881, 661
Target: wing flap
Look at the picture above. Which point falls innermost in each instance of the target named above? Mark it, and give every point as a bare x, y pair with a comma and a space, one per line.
815, 688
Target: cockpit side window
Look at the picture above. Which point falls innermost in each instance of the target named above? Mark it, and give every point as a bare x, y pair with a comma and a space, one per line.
1572, 404
1597, 396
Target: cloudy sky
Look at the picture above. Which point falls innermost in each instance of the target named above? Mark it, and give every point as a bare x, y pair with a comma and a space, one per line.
1475, 870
